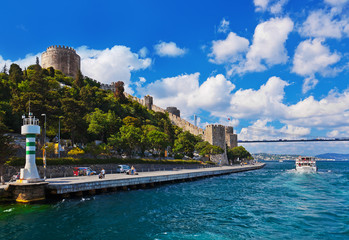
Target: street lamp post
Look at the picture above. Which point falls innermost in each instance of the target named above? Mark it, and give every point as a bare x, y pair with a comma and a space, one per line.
44, 157
59, 137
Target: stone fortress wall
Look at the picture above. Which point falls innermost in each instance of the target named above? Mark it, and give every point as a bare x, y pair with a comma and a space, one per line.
218, 135
180, 122
62, 58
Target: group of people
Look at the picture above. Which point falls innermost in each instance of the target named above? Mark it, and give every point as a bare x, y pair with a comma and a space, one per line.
132, 171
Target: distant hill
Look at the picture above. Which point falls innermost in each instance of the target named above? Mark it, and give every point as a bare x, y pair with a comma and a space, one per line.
336, 156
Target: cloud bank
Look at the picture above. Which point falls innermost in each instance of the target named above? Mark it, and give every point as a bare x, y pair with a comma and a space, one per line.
267, 48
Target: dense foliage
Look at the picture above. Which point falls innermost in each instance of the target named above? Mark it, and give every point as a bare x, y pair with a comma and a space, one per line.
87, 113
238, 153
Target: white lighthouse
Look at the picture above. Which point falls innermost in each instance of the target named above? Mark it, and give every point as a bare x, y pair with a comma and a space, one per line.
30, 129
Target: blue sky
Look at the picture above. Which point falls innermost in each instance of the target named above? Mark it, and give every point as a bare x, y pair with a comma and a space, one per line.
270, 68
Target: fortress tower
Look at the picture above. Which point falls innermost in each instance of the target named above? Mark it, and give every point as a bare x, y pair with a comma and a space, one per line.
215, 134
231, 138
174, 111
61, 58
148, 101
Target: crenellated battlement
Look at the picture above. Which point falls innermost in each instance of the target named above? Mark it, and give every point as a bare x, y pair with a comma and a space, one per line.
53, 47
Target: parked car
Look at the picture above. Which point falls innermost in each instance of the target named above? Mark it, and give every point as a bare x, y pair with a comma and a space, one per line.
122, 168
83, 171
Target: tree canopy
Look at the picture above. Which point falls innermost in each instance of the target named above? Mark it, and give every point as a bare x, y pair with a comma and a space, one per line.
238, 153
88, 113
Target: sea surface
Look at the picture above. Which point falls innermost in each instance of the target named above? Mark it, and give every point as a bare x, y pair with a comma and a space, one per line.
271, 203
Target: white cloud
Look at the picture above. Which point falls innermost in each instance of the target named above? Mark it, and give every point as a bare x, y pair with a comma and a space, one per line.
309, 83
261, 5
273, 6
277, 7
333, 133
264, 102
173, 91
143, 52
223, 26
170, 49
329, 112
213, 94
268, 46
111, 65
185, 93
140, 82
228, 50
337, 2
339, 132
321, 24
312, 57
260, 130
294, 132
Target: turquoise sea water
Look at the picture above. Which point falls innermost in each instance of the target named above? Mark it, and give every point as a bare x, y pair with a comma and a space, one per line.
270, 203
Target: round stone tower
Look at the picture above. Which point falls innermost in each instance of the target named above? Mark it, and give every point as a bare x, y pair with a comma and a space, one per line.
61, 58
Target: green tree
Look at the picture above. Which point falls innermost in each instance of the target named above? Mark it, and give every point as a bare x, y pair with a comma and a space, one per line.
158, 140
4, 69
103, 124
131, 121
238, 153
97, 123
128, 139
15, 74
185, 143
79, 80
5, 88
51, 71
73, 122
205, 148
6, 146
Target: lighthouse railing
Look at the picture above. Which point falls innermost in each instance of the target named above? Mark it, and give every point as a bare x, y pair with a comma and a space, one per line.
30, 121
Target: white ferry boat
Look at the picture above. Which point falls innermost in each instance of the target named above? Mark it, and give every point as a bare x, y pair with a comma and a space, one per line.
306, 164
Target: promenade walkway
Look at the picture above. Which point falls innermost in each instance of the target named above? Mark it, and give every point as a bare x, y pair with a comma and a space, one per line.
88, 183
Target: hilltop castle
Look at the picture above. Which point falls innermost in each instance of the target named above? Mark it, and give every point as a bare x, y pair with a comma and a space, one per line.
61, 58
67, 60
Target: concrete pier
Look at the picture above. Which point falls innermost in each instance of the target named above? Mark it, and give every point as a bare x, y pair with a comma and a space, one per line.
90, 184
78, 186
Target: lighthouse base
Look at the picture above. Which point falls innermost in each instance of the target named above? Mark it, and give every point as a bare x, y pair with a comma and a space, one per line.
28, 192
29, 176
34, 180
